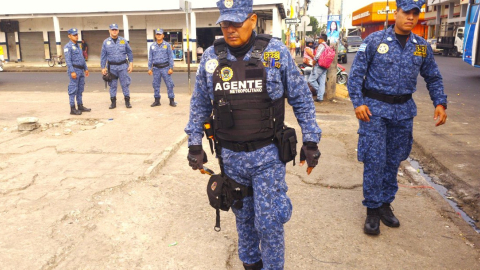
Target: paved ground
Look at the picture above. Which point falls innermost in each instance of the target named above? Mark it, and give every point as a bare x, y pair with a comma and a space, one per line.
111, 189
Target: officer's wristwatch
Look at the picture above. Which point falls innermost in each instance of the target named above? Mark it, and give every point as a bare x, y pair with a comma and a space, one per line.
444, 105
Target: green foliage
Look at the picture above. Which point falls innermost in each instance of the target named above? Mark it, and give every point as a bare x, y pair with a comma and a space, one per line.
316, 27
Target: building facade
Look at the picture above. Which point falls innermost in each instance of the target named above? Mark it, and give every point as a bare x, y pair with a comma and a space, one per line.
443, 15
33, 33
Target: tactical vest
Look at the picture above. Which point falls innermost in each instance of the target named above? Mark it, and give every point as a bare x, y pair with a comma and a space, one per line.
243, 112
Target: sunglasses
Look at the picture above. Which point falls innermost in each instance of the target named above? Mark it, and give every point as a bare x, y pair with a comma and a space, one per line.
226, 24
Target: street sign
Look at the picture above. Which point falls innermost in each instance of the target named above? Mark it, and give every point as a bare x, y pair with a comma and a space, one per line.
292, 21
306, 19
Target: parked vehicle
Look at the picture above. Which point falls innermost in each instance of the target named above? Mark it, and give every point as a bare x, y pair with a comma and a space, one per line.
433, 44
342, 53
353, 43
342, 76
452, 42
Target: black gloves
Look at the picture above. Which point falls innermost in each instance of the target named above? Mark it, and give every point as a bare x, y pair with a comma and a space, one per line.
196, 157
310, 153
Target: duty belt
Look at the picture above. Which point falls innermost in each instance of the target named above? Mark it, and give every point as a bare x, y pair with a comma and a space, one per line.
117, 63
245, 146
161, 65
79, 67
392, 99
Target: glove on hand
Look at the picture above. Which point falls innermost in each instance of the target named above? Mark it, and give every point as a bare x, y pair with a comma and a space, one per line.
310, 153
196, 157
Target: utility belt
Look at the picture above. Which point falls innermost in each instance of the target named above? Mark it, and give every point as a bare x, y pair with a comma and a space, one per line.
392, 99
118, 63
224, 192
79, 67
161, 65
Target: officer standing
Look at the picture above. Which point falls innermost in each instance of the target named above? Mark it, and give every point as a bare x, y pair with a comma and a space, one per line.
245, 78
160, 64
390, 61
77, 71
117, 52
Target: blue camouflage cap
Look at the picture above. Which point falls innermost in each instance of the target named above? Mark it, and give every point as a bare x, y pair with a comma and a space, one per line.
234, 10
159, 31
407, 5
72, 31
114, 26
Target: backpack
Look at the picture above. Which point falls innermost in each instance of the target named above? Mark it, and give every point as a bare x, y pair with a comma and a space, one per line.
327, 56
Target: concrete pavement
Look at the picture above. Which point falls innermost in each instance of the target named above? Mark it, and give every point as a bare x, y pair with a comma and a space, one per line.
111, 189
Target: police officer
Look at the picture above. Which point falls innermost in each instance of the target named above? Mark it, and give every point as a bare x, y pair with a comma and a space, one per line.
117, 52
77, 71
160, 64
390, 61
248, 77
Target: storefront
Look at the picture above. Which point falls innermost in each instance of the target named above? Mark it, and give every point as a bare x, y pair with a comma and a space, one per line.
372, 18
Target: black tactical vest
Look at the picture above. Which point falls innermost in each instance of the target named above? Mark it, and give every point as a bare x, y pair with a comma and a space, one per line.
242, 109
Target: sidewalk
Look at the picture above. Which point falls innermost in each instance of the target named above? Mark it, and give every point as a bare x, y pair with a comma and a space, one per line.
116, 192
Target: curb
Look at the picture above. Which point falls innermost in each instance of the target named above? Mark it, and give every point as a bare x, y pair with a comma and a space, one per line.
164, 156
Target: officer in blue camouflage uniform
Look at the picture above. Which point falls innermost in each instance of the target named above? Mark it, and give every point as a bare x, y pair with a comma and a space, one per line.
260, 220
118, 53
160, 64
390, 61
77, 71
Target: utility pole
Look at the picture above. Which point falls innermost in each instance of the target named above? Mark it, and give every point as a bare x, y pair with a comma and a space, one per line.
334, 8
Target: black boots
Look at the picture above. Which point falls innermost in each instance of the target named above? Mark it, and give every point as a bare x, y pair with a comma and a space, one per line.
256, 266
387, 216
173, 103
372, 223
114, 103
127, 102
74, 111
156, 103
83, 109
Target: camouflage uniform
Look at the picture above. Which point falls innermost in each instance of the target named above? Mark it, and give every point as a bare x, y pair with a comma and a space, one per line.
74, 56
159, 54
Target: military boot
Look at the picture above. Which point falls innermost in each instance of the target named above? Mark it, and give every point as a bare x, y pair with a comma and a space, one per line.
127, 102
372, 223
256, 266
173, 103
114, 103
74, 111
83, 109
387, 216
156, 103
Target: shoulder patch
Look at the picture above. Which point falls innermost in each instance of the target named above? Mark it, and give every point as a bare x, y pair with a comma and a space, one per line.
363, 47
211, 65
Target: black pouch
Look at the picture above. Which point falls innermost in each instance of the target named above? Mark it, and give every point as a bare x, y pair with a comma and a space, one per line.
109, 77
287, 144
225, 114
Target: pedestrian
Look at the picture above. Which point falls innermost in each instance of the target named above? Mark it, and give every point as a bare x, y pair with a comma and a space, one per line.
390, 61
319, 74
85, 49
160, 64
117, 59
77, 70
297, 47
247, 90
199, 52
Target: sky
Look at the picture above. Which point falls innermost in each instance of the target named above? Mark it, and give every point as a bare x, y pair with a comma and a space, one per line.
318, 9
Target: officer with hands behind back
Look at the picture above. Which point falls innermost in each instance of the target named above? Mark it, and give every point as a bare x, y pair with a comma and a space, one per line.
77, 71
115, 51
244, 79
160, 64
381, 83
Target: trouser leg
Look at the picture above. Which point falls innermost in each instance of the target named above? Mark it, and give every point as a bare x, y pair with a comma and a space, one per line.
124, 81
168, 82
157, 80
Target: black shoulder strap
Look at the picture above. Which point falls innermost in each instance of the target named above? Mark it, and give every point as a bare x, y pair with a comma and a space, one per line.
261, 43
220, 47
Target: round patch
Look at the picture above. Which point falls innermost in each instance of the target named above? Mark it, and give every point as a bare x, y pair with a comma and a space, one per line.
383, 48
153, 47
211, 65
73, 48
108, 43
164, 46
226, 74
228, 3
214, 186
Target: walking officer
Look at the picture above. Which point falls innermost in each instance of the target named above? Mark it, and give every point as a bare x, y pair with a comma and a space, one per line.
117, 58
77, 71
244, 79
387, 65
160, 64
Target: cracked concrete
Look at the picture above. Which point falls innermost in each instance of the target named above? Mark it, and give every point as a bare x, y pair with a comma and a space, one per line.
121, 196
